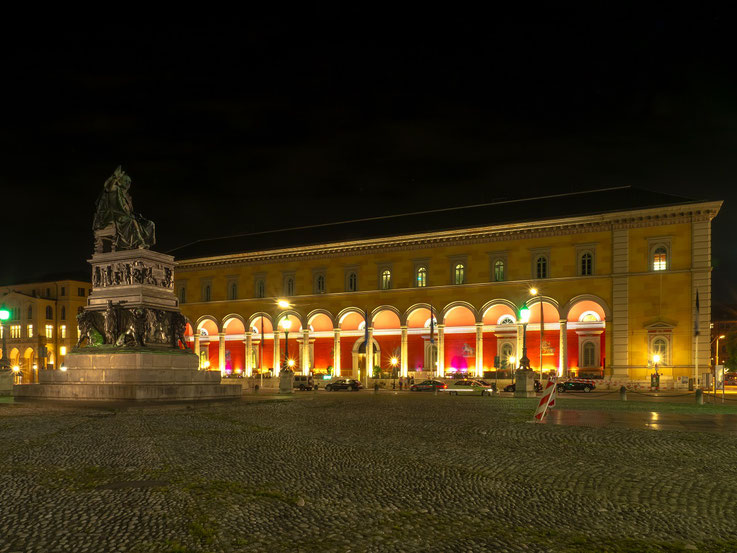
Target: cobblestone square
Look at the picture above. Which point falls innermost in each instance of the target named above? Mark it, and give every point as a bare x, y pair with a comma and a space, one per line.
355, 472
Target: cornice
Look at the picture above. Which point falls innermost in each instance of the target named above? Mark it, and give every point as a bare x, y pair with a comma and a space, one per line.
684, 213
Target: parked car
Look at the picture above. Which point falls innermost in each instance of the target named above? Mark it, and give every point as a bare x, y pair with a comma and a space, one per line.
303, 382
427, 386
512, 387
470, 387
572, 385
344, 384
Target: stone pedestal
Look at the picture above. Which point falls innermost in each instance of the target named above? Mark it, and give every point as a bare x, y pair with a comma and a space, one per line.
524, 383
129, 374
286, 382
6, 382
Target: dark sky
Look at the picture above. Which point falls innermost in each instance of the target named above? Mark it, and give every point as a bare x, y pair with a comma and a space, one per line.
229, 125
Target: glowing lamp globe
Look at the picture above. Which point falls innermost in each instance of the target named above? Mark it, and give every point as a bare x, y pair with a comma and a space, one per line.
4, 315
524, 314
290, 362
286, 324
656, 358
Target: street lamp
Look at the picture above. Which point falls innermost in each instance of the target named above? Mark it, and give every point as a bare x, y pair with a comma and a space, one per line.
394, 362
722, 337
524, 316
4, 316
286, 324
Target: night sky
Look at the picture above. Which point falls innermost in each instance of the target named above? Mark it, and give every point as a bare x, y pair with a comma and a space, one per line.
230, 125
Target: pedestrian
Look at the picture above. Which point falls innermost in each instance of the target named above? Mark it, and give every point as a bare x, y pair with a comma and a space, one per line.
401, 383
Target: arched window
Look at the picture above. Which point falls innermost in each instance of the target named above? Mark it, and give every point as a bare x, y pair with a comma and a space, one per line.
587, 264
421, 277
659, 346
63, 313
208, 293
290, 287
320, 284
499, 270
506, 320
589, 355
352, 282
386, 279
541, 267
49, 312
660, 258
459, 274
30, 312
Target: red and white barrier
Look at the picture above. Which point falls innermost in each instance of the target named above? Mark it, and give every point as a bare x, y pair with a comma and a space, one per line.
547, 401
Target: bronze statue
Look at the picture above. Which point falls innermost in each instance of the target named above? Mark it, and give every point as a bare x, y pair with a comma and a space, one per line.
111, 323
115, 219
87, 328
178, 328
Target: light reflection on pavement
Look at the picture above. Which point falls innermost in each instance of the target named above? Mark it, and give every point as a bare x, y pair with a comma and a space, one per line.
718, 423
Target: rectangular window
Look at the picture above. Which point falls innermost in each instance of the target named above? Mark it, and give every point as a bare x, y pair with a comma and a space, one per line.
182, 295
15, 331
232, 290
80, 292
30, 331
63, 331
259, 285
63, 291
49, 331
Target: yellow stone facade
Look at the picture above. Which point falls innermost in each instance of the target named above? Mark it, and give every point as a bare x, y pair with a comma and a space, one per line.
644, 305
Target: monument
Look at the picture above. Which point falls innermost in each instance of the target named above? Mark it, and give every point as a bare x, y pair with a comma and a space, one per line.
131, 334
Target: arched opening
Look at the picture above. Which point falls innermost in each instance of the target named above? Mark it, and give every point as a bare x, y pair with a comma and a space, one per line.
388, 334
209, 345
586, 337
459, 342
543, 336
422, 341
322, 358
30, 373
235, 354
289, 326
262, 344
500, 344
351, 322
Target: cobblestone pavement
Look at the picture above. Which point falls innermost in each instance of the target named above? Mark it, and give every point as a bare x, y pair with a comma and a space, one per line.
356, 472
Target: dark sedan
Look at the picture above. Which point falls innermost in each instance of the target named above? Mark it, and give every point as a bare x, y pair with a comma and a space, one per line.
512, 387
571, 386
344, 384
427, 386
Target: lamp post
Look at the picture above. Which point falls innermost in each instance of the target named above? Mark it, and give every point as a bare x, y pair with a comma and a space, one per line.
656, 383
716, 356
286, 324
4, 316
524, 316
394, 362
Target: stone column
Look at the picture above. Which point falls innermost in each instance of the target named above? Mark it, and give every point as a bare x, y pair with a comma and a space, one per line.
277, 355
306, 351
480, 350
563, 348
370, 353
221, 352
197, 348
403, 361
518, 354
336, 352
440, 369
248, 344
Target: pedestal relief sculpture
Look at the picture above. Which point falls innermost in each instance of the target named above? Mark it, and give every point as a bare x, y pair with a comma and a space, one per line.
131, 343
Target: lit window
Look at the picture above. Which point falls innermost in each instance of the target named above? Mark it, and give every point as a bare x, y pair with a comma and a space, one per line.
386, 279
49, 331
587, 264
15, 331
589, 355
63, 331
49, 312
352, 282
422, 277
459, 274
30, 331
541, 267
659, 346
499, 270
660, 259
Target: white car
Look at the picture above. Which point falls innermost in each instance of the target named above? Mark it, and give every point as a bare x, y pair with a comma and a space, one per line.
470, 387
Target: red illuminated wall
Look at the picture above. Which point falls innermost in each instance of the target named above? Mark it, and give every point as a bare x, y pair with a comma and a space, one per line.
213, 351
454, 356
237, 352
323, 348
415, 353
490, 349
388, 346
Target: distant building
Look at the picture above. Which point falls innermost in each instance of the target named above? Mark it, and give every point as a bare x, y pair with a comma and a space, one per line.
724, 323
43, 320
617, 273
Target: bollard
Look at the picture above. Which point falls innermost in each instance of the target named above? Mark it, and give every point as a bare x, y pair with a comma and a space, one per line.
255, 389
376, 387
699, 396
623, 393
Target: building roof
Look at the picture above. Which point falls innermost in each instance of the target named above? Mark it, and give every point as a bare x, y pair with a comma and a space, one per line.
593, 202
51, 278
